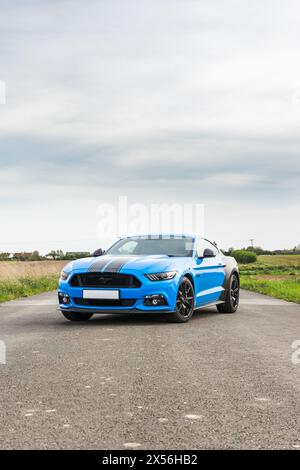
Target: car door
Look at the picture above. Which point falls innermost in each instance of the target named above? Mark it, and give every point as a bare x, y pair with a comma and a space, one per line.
209, 273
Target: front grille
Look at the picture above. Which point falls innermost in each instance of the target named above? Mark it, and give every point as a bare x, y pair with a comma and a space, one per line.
104, 280
105, 302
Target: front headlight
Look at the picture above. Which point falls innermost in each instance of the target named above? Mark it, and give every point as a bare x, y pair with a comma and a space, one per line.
64, 276
161, 276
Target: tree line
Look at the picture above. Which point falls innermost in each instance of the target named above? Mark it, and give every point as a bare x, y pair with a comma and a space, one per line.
248, 254
36, 256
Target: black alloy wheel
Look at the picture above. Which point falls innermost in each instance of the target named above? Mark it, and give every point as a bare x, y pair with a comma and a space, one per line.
185, 301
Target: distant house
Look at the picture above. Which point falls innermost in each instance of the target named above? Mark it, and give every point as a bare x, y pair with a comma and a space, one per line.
25, 256
22, 256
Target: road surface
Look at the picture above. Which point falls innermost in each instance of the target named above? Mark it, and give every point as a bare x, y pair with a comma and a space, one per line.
117, 382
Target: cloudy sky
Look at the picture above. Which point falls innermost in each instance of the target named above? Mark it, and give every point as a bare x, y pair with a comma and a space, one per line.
160, 100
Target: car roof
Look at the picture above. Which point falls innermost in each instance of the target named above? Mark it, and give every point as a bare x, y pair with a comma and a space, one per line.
163, 235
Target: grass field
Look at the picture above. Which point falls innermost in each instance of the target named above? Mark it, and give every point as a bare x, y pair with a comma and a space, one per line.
279, 260
22, 278
26, 286
277, 276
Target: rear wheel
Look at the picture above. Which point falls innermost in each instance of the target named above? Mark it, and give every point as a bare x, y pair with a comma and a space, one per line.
233, 295
80, 316
184, 302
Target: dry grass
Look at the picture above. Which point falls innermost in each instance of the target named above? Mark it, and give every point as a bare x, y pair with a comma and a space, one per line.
280, 260
12, 270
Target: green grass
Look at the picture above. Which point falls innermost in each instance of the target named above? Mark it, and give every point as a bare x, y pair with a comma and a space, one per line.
277, 264
279, 260
286, 289
252, 269
276, 275
26, 286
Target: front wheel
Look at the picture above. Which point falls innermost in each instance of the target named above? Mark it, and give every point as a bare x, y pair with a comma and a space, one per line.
184, 302
232, 298
80, 316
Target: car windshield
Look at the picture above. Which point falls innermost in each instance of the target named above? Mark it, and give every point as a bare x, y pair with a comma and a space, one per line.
170, 246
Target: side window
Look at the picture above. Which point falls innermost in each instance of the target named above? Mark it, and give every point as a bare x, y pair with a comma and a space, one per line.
202, 244
211, 246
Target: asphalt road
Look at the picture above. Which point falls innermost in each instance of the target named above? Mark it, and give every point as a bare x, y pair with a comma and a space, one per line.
116, 382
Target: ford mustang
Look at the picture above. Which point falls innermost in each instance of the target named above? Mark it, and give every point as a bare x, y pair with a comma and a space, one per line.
169, 274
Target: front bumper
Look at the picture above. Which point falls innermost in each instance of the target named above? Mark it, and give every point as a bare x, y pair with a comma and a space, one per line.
133, 296
110, 311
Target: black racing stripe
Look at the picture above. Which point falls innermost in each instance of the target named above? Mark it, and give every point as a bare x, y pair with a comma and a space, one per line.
116, 264
99, 264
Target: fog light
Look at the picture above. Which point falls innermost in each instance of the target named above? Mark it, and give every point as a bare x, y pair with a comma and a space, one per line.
155, 300
63, 298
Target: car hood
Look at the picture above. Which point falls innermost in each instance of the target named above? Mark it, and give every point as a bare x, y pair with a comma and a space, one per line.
145, 264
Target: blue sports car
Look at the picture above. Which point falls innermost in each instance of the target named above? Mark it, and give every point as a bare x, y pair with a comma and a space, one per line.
169, 274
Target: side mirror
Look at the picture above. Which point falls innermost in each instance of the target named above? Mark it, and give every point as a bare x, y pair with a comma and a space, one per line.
208, 253
98, 252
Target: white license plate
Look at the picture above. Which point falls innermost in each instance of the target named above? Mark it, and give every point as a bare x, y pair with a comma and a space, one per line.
101, 294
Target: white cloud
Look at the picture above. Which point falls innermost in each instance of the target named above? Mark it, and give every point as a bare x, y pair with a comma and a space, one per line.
144, 97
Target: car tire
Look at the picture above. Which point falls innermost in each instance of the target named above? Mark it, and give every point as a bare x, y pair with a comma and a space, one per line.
185, 302
80, 316
232, 297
